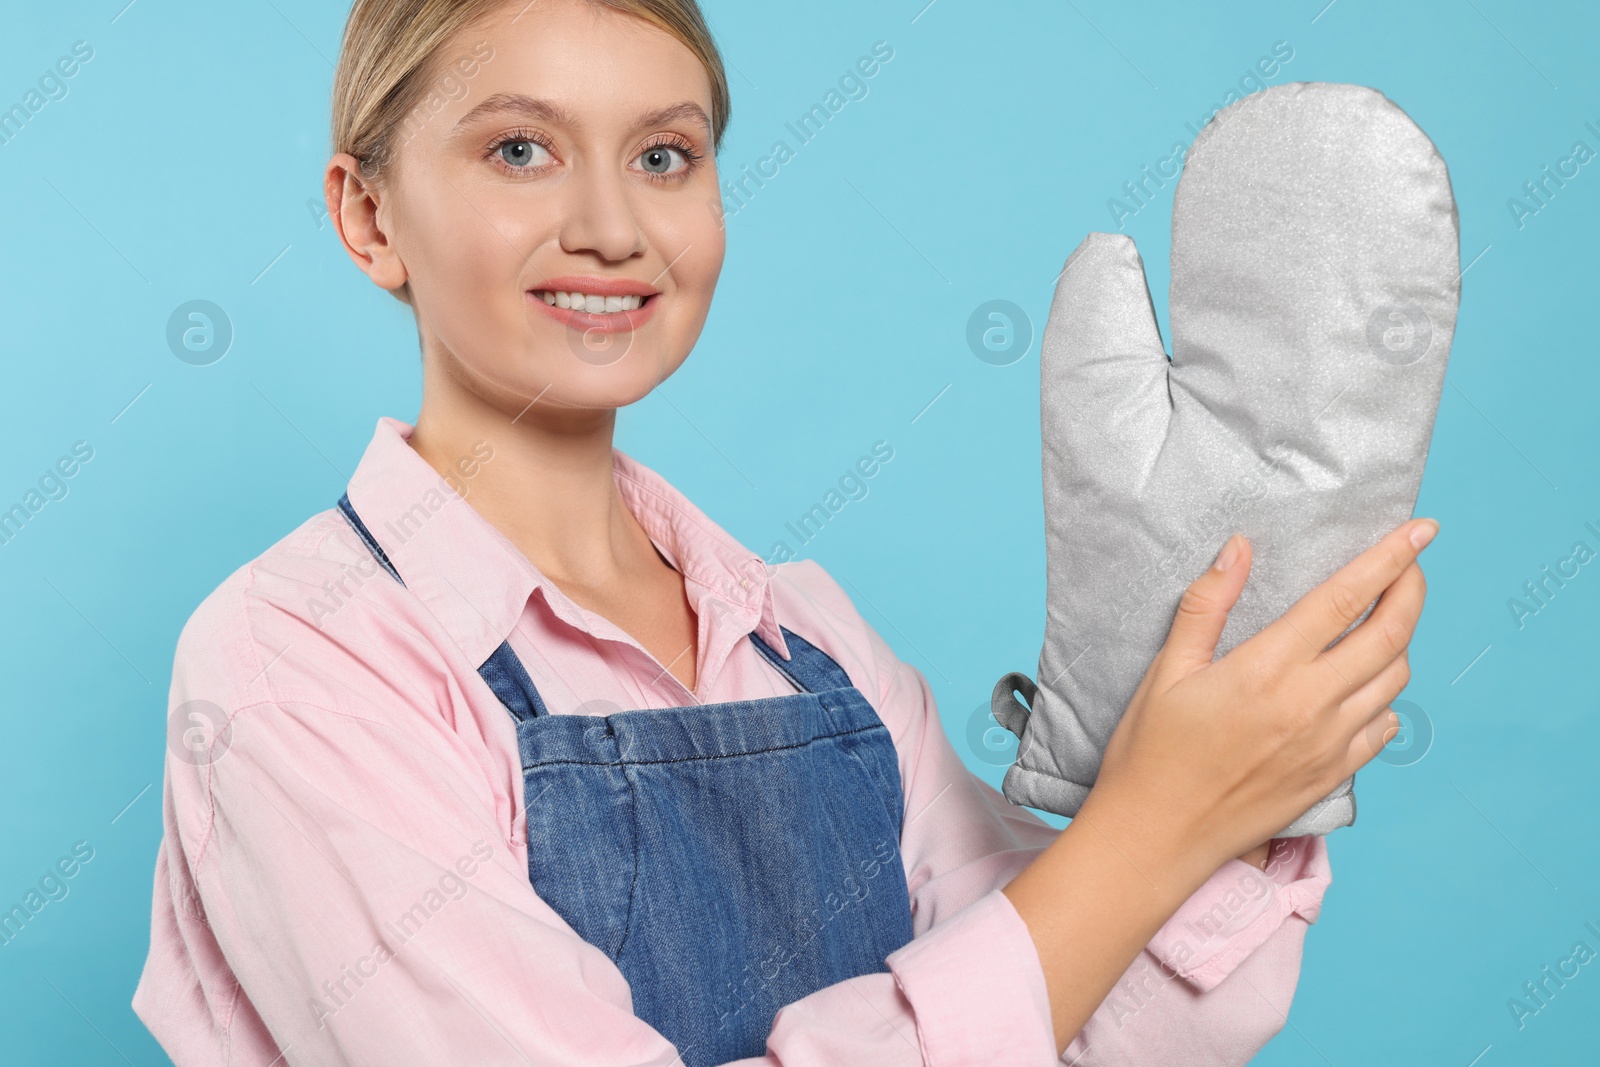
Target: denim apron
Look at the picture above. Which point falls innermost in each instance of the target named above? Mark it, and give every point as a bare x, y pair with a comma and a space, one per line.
729, 858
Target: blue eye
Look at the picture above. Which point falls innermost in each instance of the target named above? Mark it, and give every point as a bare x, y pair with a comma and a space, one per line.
520, 154
658, 160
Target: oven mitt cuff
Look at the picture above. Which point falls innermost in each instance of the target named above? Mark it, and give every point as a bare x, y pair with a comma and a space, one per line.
1315, 280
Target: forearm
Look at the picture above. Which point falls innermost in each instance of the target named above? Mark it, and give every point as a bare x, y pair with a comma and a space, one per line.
1091, 901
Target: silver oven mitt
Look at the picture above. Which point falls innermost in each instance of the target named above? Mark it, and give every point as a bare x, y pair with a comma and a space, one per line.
1315, 278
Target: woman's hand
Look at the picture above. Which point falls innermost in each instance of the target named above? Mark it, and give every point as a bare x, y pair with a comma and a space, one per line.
1214, 757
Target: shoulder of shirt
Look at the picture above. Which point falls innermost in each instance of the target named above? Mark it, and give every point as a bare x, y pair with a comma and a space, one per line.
256, 650
236, 649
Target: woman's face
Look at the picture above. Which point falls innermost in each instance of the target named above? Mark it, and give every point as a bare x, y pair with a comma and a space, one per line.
579, 160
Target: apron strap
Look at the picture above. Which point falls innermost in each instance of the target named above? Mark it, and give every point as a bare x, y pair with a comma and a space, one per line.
503, 671
366, 537
810, 668
509, 679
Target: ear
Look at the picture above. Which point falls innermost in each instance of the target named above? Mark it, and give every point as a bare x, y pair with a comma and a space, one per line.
353, 205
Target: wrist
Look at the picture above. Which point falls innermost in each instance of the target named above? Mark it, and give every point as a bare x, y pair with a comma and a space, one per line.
1170, 856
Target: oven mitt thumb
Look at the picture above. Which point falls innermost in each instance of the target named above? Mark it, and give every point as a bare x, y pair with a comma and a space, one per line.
1315, 278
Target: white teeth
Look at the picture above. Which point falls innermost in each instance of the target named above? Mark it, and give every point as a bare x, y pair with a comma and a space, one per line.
595, 305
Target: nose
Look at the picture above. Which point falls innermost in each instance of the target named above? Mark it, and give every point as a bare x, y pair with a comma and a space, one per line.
600, 218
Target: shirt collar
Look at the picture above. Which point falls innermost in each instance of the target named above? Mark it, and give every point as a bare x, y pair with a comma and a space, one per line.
477, 583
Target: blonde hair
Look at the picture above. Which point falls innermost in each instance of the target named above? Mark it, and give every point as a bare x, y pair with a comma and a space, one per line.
391, 47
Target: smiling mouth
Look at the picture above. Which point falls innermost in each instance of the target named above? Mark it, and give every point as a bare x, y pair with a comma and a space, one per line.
593, 305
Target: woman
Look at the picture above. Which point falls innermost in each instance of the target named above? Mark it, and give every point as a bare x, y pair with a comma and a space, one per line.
514, 756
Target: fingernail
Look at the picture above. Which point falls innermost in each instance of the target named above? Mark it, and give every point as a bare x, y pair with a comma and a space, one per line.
1229, 554
1422, 533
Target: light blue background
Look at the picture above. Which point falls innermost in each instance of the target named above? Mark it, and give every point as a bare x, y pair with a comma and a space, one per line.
180, 166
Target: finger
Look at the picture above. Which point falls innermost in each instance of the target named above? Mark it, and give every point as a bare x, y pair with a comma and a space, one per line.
1203, 610
1370, 717
1323, 614
1384, 634
1370, 740
1386, 687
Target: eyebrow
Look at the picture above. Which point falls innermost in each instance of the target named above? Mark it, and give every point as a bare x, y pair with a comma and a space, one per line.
548, 111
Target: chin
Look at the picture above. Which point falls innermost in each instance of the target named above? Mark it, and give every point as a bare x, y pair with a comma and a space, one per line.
610, 385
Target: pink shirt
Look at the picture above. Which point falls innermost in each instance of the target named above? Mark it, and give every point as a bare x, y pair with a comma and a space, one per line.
343, 877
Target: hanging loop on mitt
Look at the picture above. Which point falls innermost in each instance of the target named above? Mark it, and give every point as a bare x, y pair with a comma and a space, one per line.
1008, 711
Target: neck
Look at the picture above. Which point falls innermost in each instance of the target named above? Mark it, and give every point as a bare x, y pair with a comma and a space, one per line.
548, 488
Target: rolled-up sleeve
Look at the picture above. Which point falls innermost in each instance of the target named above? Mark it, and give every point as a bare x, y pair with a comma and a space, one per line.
1240, 908
1216, 982
977, 988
